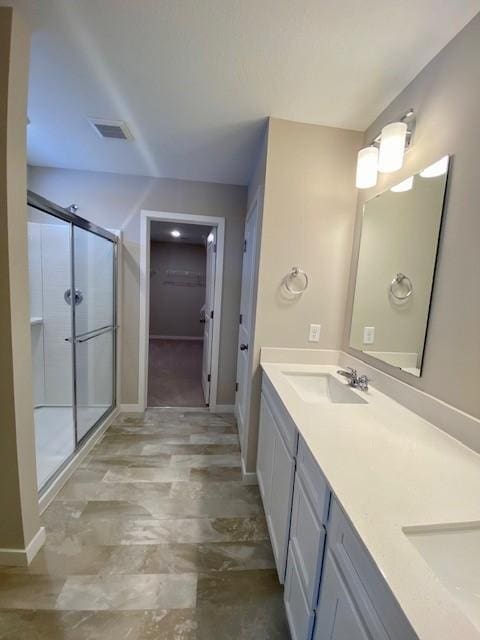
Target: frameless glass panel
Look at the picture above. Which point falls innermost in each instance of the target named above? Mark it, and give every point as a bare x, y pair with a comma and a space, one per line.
49, 253
94, 259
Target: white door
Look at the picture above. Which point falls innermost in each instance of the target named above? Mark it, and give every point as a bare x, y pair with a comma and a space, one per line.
209, 319
242, 398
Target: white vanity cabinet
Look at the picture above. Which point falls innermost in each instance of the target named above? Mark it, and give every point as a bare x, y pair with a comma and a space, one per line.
277, 447
333, 589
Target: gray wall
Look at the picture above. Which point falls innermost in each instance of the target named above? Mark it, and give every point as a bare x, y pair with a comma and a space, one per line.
446, 98
308, 219
115, 201
175, 310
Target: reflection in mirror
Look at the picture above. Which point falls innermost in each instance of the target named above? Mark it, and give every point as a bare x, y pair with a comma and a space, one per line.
396, 265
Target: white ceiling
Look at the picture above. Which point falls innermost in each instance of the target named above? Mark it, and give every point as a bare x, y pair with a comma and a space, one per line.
189, 233
195, 79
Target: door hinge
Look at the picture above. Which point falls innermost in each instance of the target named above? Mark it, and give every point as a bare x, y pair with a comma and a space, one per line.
209, 377
211, 314
244, 246
215, 248
241, 318
236, 386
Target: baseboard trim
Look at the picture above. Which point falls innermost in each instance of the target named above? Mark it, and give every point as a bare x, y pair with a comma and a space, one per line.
224, 408
131, 408
158, 337
51, 492
248, 477
23, 557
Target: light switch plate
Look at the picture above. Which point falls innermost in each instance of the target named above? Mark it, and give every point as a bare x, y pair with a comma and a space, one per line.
368, 335
314, 334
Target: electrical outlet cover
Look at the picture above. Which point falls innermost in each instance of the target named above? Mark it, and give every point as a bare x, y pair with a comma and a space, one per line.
368, 335
314, 334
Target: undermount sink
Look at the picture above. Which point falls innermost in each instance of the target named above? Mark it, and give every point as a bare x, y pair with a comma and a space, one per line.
452, 553
322, 387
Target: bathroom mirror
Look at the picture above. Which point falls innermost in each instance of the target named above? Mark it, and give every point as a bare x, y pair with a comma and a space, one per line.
396, 267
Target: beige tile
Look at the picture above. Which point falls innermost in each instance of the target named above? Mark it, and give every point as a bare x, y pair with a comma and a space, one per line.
29, 591
131, 592
175, 624
148, 474
205, 461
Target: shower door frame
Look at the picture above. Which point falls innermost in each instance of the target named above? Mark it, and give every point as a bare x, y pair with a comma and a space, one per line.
46, 206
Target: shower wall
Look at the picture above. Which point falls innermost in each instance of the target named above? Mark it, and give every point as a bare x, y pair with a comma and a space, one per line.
49, 268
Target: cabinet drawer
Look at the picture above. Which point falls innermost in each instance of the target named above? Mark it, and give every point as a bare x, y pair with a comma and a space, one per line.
313, 481
285, 424
363, 576
307, 540
299, 614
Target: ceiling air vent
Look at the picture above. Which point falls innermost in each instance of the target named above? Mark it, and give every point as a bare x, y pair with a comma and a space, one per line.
112, 129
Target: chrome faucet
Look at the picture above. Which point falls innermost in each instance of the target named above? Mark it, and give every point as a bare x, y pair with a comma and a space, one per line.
354, 380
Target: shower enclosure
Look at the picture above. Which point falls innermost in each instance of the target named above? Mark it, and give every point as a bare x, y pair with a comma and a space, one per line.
72, 271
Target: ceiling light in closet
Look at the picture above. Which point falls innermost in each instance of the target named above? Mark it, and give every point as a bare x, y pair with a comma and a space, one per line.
175, 233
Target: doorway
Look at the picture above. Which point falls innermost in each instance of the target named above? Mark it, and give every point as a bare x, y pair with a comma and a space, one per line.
180, 308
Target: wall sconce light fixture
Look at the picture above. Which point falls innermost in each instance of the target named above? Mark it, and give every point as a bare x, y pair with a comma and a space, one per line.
386, 152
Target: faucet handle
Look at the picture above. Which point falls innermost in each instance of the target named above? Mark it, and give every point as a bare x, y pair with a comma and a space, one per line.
363, 382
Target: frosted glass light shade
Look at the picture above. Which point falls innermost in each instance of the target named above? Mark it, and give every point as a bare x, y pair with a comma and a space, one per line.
405, 185
367, 168
392, 147
436, 169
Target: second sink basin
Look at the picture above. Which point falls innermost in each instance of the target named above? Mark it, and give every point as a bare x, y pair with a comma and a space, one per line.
322, 387
452, 552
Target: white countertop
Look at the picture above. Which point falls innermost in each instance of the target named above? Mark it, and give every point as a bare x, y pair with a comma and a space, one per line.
390, 469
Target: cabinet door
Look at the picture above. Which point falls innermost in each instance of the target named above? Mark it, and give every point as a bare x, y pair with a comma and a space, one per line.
266, 436
307, 539
299, 612
280, 508
337, 616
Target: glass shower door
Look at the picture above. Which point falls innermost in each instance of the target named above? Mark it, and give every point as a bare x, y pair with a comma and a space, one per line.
94, 328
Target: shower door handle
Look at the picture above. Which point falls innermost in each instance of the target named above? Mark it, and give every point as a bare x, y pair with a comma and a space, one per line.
67, 296
84, 337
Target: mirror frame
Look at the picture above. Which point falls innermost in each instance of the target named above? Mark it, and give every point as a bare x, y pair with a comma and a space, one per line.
359, 353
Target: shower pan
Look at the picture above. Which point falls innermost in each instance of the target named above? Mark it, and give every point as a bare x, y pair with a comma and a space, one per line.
72, 271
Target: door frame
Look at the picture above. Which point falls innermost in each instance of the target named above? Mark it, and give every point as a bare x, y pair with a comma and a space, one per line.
146, 217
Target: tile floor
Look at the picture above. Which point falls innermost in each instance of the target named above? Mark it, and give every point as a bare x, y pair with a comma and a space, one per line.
153, 538
175, 373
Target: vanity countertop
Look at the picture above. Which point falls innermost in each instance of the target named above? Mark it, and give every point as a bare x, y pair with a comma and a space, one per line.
390, 469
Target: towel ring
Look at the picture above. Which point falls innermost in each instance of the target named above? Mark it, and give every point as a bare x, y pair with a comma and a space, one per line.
295, 273
401, 278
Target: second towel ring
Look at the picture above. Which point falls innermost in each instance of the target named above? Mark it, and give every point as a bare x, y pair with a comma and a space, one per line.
295, 273
399, 279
